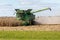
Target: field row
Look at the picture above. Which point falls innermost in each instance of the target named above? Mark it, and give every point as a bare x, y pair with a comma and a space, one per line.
32, 28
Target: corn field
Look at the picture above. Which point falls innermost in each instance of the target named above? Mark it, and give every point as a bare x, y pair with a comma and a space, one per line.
9, 21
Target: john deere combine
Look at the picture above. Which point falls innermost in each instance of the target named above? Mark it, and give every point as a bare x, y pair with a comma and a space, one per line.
27, 16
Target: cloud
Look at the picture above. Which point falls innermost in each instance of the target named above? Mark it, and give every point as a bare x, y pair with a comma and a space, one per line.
25, 3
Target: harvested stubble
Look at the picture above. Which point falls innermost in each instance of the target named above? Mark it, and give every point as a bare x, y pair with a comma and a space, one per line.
9, 21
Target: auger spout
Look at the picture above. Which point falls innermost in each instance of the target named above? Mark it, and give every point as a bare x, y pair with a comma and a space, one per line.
41, 10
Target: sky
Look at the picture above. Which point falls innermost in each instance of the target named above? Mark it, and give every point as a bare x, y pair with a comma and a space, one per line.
7, 7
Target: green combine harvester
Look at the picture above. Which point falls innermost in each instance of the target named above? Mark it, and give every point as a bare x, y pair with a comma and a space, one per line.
26, 16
